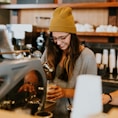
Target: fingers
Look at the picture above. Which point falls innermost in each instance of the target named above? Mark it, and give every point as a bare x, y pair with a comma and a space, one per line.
105, 98
27, 88
55, 94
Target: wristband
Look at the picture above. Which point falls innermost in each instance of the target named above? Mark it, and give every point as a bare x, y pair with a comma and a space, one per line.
110, 97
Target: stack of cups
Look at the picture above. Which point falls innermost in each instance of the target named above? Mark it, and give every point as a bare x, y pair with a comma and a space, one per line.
98, 58
112, 60
105, 57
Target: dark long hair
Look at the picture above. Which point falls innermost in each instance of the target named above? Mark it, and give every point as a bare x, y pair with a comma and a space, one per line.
54, 54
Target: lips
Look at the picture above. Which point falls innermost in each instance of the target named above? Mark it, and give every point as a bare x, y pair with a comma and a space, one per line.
61, 47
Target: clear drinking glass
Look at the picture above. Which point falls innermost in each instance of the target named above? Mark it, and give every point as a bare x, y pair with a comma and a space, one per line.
50, 85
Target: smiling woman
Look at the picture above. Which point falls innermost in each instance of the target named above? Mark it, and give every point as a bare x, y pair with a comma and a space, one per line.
63, 40
67, 58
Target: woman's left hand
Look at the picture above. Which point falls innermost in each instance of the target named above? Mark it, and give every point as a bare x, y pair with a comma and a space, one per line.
54, 93
105, 98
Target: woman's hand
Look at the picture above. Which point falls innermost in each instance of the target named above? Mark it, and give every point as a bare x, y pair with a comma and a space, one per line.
28, 88
54, 93
105, 98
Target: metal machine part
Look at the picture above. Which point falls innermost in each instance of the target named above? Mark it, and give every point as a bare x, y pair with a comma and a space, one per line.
12, 75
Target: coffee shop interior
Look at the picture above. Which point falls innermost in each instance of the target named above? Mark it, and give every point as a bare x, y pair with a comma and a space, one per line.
23, 33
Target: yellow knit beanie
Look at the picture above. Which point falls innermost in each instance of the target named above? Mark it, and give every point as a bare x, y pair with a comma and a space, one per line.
62, 20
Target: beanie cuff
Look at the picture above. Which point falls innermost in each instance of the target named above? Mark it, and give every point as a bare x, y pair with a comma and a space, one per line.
62, 29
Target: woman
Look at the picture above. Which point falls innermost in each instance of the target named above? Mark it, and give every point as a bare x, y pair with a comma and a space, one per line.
64, 59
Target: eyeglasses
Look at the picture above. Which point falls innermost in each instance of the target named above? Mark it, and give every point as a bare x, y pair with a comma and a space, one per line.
61, 38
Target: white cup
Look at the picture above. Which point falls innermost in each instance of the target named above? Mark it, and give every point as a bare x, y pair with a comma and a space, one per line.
44, 114
87, 98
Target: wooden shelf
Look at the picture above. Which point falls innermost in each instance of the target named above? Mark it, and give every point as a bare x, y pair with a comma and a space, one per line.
49, 6
93, 5
28, 6
103, 34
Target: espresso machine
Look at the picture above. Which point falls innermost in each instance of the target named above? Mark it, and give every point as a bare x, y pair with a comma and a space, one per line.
12, 74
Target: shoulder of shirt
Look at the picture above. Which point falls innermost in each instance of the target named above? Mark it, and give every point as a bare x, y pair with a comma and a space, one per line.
87, 50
